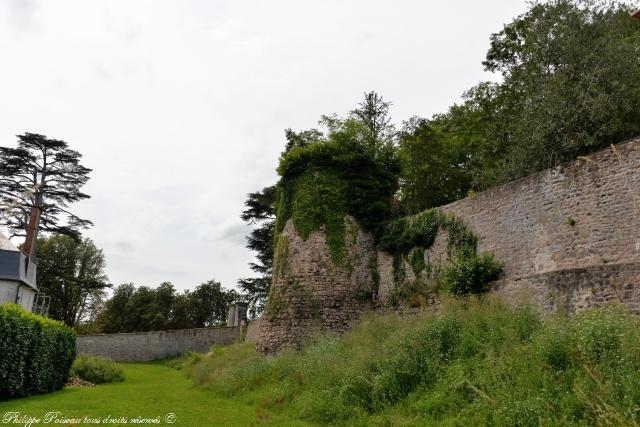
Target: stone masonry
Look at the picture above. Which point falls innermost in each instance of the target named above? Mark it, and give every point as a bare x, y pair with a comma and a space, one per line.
569, 238
310, 293
145, 346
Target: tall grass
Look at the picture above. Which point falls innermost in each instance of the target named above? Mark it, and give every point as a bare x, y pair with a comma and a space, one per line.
475, 361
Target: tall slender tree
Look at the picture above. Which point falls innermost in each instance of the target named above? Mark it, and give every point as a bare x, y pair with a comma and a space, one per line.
259, 212
41, 177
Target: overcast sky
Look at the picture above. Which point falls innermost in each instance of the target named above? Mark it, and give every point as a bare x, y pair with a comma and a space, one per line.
179, 107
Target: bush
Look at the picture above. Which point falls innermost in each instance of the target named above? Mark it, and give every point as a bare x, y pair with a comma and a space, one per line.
470, 274
96, 369
35, 353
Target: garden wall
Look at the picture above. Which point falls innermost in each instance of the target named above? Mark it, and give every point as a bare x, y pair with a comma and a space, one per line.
145, 346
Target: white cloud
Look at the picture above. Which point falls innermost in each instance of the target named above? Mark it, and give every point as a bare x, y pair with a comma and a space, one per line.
180, 107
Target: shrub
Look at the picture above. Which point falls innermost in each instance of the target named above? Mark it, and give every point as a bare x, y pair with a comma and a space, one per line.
96, 369
470, 274
35, 353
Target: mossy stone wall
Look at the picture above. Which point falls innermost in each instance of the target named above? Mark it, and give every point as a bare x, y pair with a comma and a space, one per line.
311, 292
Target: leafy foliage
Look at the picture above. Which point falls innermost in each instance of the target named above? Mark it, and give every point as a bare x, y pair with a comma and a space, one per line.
352, 170
570, 85
261, 213
408, 237
434, 170
96, 369
37, 353
421, 230
44, 173
146, 309
71, 272
470, 274
323, 182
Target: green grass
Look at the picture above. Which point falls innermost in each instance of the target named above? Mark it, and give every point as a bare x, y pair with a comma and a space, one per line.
475, 362
150, 390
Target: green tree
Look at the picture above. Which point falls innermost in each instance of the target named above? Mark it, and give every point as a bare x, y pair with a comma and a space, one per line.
115, 317
209, 304
571, 83
71, 272
132, 309
45, 174
373, 115
259, 212
434, 169
181, 317
367, 129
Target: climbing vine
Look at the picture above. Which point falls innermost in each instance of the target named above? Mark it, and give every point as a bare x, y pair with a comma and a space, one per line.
407, 239
420, 231
322, 183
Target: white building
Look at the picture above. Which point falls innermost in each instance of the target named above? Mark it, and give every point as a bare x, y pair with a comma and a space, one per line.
17, 277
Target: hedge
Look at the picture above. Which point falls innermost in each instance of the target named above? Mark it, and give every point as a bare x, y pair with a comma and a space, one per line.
36, 353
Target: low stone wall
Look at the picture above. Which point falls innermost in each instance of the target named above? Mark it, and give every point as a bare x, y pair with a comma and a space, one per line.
145, 346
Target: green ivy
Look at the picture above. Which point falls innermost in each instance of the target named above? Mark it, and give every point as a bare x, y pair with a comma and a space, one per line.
322, 183
420, 231
416, 261
470, 274
319, 200
280, 256
408, 238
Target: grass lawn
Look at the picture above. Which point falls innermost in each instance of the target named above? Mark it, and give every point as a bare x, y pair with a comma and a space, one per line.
150, 390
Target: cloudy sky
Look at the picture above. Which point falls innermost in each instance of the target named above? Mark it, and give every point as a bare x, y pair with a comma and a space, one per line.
180, 106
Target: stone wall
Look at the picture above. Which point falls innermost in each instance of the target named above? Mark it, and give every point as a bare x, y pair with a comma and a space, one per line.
569, 238
145, 346
566, 235
253, 329
310, 293
574, 289
528, 223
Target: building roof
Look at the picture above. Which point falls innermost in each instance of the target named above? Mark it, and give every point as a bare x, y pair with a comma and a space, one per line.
636, 14
6, 244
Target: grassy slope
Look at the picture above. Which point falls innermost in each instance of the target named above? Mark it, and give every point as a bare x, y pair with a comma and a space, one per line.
476, 362
150, 390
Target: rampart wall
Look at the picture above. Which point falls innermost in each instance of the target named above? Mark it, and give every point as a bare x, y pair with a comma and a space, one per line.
569, 238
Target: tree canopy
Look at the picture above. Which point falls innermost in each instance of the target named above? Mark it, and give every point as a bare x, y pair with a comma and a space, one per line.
259, 213
71, 272
132, 309
43, 173
568, 83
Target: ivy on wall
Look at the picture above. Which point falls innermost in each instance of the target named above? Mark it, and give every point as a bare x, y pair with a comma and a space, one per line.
407, 239
420, 231
323, 182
